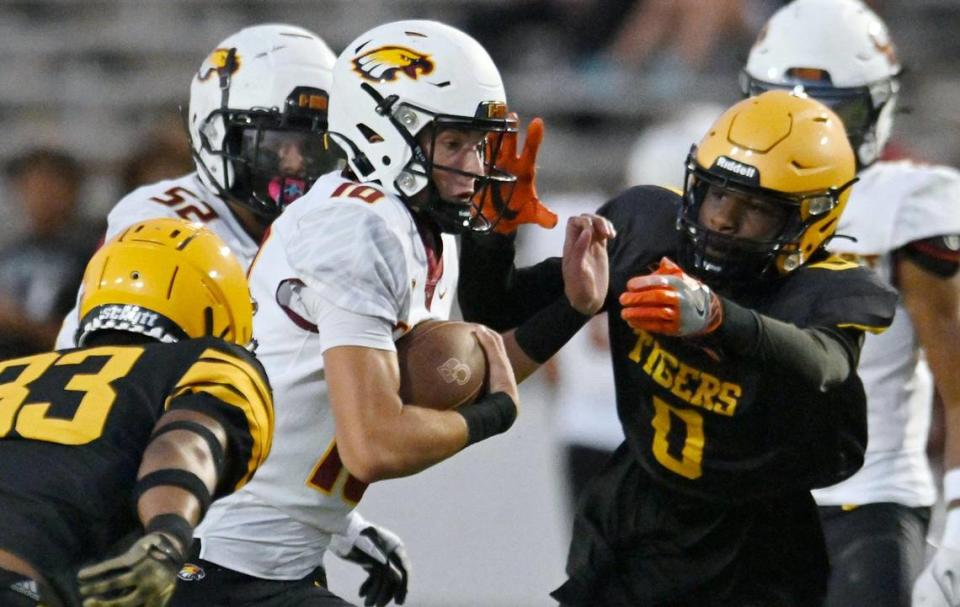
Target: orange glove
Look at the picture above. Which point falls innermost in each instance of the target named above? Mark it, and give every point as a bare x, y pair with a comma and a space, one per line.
506, 209
670, 302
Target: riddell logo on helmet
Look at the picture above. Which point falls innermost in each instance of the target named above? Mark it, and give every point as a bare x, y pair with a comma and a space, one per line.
737, 168
217, 62
384, 63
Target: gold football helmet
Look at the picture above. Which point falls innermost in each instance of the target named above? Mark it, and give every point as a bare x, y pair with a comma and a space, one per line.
781, 147
168, 279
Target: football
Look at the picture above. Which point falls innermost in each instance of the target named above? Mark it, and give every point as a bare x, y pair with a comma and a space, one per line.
442, 365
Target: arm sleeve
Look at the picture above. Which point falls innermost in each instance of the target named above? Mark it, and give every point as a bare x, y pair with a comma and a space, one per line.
350, 254
820, 357
493, 291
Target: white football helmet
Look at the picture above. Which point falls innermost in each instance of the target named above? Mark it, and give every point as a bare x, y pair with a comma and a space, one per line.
839, 52
399, 78
258, 116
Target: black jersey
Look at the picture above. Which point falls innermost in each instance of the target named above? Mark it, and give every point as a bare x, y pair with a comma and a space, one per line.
74, 425
734, 428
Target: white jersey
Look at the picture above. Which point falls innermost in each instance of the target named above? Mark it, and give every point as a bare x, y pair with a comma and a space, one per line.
184, 197
349, 246
893, 204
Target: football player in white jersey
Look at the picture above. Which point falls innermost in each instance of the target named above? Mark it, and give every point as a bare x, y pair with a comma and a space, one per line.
420, 110
904, 220
257, 123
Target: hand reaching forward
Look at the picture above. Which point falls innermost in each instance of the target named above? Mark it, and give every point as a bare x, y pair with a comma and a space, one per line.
586, 266
506, 209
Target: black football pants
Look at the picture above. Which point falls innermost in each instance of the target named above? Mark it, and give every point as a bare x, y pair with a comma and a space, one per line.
876, 553
205, 584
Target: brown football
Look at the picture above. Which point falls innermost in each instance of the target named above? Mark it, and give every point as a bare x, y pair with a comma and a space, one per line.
442, 365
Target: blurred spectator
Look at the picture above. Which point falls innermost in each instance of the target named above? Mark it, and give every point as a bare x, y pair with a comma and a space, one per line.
683, 34
525, 32
41, 269
652, 158
163, 154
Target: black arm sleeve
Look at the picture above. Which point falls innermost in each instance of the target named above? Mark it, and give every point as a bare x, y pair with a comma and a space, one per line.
818, 356
492, 291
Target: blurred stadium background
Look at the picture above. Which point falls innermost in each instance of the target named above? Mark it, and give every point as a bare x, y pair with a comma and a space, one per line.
103, 80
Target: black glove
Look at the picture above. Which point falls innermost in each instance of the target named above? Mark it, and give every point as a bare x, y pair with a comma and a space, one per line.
381, 553
144, 575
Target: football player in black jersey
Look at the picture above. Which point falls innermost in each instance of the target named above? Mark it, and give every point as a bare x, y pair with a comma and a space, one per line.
112, 451
734, 337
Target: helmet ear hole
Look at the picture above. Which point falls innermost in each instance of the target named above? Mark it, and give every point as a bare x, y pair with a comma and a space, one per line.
208, 320
369, 134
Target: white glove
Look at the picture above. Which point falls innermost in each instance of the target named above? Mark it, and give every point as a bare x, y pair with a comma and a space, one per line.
939, 584
381, 553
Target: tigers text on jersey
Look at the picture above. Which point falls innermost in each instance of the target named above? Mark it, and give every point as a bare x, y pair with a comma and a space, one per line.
893, 204
184, 197
76, 424
353, 247
732, 428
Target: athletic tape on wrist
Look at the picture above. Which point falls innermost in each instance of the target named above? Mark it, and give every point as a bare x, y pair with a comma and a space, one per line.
175, 525
491, 415
175, 477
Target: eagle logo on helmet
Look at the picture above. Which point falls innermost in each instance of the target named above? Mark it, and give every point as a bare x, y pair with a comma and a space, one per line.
191, 573
384, 63
885, 47
221, 59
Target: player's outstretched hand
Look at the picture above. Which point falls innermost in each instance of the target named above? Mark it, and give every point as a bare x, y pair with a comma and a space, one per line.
939, 584
382, 555
670, 302
500, 377
509, 205
586, 266
144, 575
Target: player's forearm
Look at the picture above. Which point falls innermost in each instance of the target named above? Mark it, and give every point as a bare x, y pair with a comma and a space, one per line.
817, 357
933, 304
182, 451
941, 342
492, 291
403, 443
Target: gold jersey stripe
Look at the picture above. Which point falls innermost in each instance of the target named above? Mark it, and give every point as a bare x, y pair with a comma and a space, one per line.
835, 262
236, 383
867, 328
